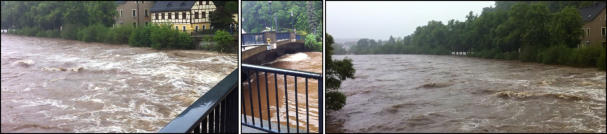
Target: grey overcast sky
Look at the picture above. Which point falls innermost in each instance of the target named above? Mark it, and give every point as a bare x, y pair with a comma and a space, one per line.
380, 19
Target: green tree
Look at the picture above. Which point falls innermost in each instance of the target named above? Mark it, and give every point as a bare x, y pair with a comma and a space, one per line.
566, 27
221, 18
225, 42
336, 71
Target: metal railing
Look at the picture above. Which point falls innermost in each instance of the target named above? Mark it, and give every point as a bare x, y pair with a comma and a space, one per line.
283, 36
215, 112
254, 70
253, 38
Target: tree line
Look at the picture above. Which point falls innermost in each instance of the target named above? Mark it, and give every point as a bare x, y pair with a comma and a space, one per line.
304, 16
545, 32
92, 21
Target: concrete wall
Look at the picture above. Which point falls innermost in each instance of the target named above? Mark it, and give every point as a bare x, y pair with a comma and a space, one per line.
271, 55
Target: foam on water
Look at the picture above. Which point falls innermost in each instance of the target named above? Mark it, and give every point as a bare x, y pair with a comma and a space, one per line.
132, 89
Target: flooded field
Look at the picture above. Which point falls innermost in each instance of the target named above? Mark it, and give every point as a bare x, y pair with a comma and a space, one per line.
303, 61
426, 93
55, 85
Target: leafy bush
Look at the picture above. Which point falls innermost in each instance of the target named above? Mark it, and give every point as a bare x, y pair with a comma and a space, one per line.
528, 53
28, 31
120, 34
586, 55
164, 36
499, 56
52, 33
312, 44
555, 55
225, 42
41, 34
93, 33
184, 41
511, 55
140, 37
159, 36
70, 31
335, 100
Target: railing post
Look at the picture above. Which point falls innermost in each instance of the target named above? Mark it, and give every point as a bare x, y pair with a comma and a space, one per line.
320, 106
292, 36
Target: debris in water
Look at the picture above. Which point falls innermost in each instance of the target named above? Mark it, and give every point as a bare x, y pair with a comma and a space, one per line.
435, 85
24, 63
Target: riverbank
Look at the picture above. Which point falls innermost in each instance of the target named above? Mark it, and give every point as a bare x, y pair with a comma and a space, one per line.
154, 36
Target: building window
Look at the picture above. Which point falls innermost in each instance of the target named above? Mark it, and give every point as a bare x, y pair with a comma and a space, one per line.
196, 28
120, 12
183, 28
587, 32
203, 27
603, 32
176, 27
170, 16
134, 12
195, 15
146, 13
204, 14
199, 2
182, 15
162, 15
156, 14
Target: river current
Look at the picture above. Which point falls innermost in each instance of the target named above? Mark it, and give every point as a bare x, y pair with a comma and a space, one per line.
55, 85
428, 93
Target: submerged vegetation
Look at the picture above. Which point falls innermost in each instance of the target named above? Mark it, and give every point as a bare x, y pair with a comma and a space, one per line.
545, 32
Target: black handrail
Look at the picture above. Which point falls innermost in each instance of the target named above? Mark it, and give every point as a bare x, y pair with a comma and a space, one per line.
253, 70
214, 112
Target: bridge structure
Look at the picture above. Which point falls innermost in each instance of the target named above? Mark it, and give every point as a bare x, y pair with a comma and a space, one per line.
256, 43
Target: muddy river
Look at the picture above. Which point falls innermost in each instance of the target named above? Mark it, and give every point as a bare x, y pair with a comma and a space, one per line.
55, 85
303, 61
425, 93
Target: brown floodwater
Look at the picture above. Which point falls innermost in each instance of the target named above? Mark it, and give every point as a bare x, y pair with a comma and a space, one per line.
55, 85
427, 93
303, 61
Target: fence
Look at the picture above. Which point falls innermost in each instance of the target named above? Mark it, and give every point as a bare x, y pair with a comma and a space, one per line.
254, 71
283, 36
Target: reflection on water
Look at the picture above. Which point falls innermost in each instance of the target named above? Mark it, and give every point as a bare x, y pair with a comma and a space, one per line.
425, 93
54, 85
304, 61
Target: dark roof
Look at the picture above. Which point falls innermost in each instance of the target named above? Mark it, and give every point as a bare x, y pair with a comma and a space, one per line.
120, 2
161, 6
590, 12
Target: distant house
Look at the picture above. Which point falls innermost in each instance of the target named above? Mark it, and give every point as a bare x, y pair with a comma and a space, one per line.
186, 16
134, 13
594, 24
